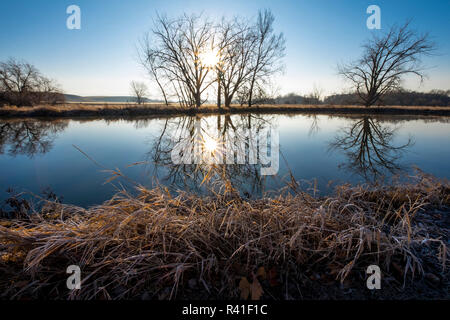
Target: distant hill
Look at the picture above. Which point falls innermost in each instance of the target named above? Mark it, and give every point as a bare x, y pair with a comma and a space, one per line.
75, 98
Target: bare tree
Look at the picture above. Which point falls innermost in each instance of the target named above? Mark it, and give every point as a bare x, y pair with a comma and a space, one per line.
149, 60
139, 90
18, 80
175, 47
48, 91
386, 60
244, 56
313, 98
236, 43
317, 93
268, 49
22, 84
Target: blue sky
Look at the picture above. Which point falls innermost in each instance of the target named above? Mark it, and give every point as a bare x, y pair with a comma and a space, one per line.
100, 59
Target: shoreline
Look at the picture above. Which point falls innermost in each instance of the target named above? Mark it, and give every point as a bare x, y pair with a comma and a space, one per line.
302, 247
113, 110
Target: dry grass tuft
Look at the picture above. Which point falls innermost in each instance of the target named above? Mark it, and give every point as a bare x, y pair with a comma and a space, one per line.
162, 246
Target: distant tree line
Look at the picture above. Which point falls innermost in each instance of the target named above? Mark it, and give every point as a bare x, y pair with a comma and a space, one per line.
21, 84
396, 98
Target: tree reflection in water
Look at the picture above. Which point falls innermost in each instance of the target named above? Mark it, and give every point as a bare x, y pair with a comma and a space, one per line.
213, 170
29, 137
369, 147
367, 143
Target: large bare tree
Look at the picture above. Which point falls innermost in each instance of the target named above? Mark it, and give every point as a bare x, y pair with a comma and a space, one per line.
268, 49
175, 47
236, 43
385, 61
186, 56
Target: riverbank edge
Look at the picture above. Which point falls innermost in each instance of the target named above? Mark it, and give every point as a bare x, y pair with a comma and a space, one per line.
121, 110
159, 246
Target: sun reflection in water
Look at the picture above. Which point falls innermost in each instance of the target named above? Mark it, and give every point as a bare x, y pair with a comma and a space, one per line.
210, 145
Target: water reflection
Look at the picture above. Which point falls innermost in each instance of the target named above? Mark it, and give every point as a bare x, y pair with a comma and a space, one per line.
369, 148
29, 137
212, 170
36, 154
314, 128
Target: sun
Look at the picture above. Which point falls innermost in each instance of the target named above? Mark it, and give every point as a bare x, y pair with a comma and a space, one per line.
209, 58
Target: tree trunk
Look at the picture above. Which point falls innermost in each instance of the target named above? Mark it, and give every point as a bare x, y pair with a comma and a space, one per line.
198, 100
250, 92
219, 95
228, 101
162, 90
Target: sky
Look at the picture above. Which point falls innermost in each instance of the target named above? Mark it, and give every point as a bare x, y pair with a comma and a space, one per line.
101, 57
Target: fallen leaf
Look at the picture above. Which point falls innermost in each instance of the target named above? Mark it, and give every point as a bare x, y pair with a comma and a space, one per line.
256, 289
244, 286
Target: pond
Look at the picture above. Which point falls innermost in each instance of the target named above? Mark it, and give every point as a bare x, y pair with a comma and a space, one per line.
73, 158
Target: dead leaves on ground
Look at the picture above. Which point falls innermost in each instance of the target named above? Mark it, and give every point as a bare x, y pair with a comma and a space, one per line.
254, 289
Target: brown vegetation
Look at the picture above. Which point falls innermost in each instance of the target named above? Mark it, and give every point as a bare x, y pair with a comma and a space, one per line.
161, 246
147, 109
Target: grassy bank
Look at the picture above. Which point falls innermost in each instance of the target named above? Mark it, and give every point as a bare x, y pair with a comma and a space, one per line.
160, 246
105, 110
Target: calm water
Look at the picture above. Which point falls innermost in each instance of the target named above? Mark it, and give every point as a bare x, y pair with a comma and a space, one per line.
321, 150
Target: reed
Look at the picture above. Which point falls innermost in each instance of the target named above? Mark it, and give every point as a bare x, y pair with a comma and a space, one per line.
159, 245
127, 109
